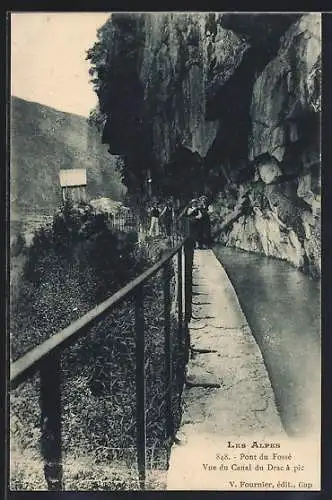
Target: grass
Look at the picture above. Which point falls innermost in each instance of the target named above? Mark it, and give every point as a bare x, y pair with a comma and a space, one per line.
83, 475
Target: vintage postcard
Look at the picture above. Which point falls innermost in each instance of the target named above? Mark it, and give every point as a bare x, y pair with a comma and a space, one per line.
165, 251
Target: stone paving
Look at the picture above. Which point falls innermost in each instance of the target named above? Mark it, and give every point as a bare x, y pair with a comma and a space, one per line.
228, 392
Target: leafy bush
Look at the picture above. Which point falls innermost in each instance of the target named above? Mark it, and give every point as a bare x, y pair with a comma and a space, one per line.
71, 266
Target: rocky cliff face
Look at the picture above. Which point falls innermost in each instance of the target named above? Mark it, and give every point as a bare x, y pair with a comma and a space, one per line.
228, 104
159, 89
285, 153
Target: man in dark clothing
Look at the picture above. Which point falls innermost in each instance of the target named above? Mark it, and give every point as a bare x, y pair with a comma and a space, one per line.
195, 215
167, 217
205, 226
154, 213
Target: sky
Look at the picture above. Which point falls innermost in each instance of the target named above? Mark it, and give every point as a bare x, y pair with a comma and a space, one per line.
48, 58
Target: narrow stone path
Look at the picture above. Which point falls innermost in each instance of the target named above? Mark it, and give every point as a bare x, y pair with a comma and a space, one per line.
228, 393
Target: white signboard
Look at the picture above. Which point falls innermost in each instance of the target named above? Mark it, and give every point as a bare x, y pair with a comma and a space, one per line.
73, 177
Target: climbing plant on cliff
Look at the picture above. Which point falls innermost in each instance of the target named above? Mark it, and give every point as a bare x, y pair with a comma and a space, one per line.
97, 55
100, 71
120, 94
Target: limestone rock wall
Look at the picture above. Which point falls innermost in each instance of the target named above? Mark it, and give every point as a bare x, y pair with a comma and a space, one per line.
158, 93
285, 150
286, 89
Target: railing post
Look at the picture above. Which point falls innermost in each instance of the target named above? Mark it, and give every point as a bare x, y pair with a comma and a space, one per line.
140, 385
50, 405
188, 262
168, 350
179, 297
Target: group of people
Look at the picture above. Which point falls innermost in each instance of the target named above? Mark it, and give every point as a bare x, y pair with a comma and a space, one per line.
199, 222
197, 213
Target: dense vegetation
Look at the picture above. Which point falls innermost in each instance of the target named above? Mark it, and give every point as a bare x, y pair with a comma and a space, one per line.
71, 266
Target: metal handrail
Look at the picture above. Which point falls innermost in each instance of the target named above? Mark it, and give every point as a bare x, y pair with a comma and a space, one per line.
47, 359
28, 364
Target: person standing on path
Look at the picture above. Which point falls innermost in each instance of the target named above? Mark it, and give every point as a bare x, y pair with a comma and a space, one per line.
167, 217
154, 226
205, 226
195, 217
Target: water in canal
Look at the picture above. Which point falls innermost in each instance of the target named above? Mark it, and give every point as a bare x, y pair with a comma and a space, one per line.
282, 306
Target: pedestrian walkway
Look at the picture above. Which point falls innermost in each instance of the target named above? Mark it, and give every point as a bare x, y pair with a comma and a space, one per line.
228, 394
